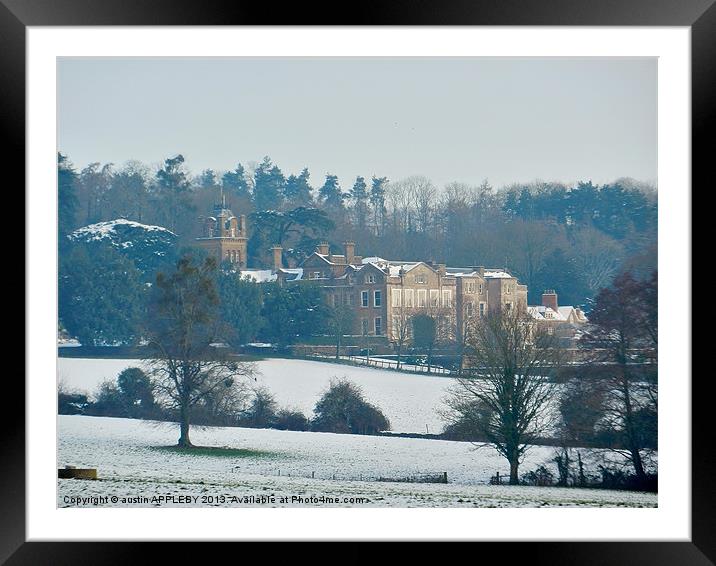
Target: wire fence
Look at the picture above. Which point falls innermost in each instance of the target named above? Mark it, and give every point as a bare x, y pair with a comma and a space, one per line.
432, 477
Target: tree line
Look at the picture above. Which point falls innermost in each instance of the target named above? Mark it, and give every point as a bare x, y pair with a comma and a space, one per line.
574, 238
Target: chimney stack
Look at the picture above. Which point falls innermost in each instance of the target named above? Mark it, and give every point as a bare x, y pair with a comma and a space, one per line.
549, 299
277, 257
242, 225
323, 248
350, 252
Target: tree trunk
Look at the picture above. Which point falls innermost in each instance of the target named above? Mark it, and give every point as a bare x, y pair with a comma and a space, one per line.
184, 428
400, 347
514, 464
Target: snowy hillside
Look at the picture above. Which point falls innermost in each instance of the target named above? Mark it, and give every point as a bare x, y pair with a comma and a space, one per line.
148, 246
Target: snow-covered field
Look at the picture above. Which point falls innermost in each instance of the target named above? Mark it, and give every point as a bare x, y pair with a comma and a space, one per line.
408, 400
129, 467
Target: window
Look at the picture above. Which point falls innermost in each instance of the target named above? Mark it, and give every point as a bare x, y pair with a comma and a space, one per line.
434, 297
364, 326
508, 289
470, 287
479, 288
408, 297
420, 278
315, 275
377, 298
378, 326
550, 330
482, 309
508, 307
364, 298
396, 296
422, 298
447, 298
370, 278
469, 309
349, 299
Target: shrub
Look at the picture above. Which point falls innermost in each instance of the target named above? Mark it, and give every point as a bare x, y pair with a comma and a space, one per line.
291, 419
262, 411
541, 476
71, 403
343, 409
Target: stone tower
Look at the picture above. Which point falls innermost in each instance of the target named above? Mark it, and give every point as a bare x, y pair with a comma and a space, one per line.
224, 235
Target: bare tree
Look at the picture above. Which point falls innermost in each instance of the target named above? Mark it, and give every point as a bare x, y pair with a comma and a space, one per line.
622, 339
186, 362
402, 326
340, 322
597, 256
505, 397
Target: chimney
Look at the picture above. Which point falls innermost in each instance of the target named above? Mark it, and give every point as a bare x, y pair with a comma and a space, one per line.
277, 257
322, 248
549, 299
442, 269
242, 225
350, 248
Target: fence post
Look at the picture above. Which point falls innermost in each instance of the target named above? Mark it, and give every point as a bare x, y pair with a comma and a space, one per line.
444, 477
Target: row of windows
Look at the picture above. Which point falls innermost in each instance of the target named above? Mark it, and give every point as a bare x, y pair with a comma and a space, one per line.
470, 309
406, 298
472, 286
377, 326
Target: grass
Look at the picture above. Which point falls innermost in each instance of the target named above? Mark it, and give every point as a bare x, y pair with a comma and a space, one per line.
216, 451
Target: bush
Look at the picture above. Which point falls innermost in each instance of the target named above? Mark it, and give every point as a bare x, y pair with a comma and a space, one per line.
109, 402
541, 477
291, 419
262, 411
343, 409
71, 403
136, 393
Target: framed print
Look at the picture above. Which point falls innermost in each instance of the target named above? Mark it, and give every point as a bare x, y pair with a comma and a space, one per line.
389, 278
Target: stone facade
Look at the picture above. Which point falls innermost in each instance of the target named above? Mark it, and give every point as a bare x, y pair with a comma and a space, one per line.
385, 294
224, 235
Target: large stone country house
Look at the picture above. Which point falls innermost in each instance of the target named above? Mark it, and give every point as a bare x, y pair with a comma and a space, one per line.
385, 295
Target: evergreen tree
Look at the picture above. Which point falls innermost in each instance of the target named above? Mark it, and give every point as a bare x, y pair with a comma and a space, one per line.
297, 190
234, 182
67, 202
559, 272
174, 189
240, 305
359, 196
101, 297
291, 313
331, 194
269, 184
208, 180
377, 200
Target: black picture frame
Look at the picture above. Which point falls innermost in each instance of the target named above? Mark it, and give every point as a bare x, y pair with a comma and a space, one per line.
699, 15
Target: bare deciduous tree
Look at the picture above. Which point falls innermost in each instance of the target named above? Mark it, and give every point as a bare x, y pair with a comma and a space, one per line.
185, 364
506, 395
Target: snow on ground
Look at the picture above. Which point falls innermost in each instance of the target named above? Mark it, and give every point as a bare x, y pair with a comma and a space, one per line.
408, 400
129, 467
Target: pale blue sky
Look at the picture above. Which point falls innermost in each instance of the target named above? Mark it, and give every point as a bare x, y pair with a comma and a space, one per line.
450, 119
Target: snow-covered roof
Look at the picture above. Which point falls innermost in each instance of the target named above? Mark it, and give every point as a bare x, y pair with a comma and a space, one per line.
545, 313
497, 274
393, 267
562, 314
259, 275
297, 272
